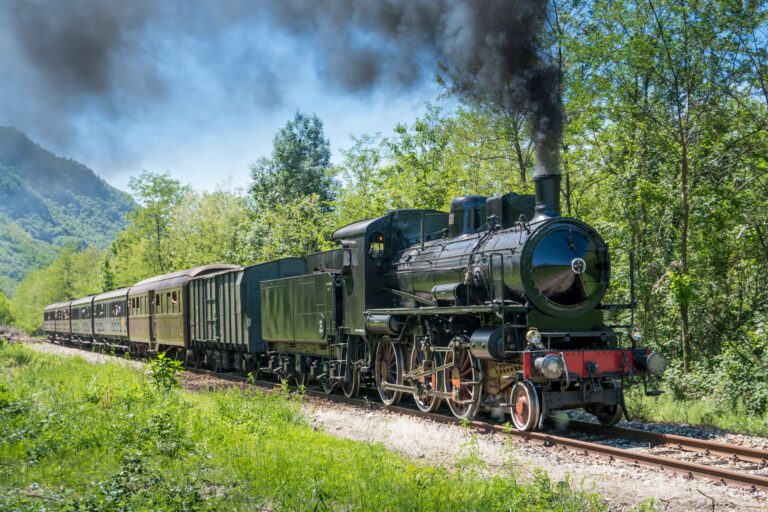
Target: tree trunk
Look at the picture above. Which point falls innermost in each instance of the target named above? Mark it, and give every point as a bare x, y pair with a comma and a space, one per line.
520, 161
684, 325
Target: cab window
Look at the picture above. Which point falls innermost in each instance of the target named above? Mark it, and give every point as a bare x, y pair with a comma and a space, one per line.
376, 248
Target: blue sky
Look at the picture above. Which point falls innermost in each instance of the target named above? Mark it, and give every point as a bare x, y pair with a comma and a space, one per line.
198, 95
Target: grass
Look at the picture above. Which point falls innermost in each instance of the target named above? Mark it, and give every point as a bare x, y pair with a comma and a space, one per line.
81, 437
705, 411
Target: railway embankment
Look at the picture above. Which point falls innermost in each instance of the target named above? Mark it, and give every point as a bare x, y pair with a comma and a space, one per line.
83, 436
465, 453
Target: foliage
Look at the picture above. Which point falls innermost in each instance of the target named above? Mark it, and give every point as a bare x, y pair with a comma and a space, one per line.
79, 436
211, 227
6, 315
298, 166
74, 273
147, 236
291, 192
294, 228
164, 371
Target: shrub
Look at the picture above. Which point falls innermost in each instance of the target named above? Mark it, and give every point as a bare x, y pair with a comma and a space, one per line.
164, 371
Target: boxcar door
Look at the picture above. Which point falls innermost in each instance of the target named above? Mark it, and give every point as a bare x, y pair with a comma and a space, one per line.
152, 316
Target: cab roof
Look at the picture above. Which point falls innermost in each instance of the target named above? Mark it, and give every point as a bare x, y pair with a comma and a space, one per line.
363, 227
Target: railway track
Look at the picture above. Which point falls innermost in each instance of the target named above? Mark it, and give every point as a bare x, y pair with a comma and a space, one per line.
690, 457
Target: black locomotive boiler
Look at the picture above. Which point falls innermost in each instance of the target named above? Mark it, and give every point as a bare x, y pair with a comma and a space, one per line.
497, 304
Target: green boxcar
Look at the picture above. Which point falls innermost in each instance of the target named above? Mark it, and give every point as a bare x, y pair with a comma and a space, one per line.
82, 318
225, 307
110, 315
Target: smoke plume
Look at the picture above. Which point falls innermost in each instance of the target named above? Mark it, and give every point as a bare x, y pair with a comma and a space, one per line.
489, 51
88, 57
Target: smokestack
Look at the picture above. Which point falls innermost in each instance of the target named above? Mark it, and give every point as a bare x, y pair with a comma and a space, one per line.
547, 189
546, 130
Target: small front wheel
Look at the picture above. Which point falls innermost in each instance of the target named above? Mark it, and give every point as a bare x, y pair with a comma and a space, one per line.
609, 415
524, 406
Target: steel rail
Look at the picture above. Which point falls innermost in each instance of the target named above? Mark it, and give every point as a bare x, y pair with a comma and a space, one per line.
731, 451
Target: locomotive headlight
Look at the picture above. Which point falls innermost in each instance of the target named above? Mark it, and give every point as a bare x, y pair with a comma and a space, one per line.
636, 334
550, 365
655, 363
533, 336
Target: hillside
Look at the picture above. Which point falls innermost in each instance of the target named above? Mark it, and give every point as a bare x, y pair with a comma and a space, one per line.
47, 201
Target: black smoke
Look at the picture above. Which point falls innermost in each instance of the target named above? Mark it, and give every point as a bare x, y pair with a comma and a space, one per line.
91, 54
489, 51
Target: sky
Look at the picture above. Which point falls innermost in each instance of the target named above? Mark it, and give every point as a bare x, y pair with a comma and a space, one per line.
199, 97
199, 87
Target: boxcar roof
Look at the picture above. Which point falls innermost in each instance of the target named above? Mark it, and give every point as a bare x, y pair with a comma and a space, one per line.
58, 305
179, 278
289, 258
114, 294
84, 300
219, 272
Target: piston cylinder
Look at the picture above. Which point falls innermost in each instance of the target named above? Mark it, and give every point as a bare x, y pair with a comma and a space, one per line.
488, 343
389, 325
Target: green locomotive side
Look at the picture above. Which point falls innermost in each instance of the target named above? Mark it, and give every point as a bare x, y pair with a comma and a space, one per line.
301, 313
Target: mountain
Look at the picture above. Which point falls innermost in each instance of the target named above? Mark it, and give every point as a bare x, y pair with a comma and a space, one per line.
47, 201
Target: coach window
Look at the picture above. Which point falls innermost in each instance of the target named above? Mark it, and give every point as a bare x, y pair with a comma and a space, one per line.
377, 245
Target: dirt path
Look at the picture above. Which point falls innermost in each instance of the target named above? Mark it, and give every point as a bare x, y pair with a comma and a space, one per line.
622, 485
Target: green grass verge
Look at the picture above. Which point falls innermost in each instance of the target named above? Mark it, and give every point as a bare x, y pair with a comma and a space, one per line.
79, 436
704, 411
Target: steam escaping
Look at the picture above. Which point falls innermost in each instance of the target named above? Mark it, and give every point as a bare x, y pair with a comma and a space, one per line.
107, 60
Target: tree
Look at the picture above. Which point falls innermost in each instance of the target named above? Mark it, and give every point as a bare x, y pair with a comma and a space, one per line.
299, 165
287, 186
211, 227
297, 228
6, 316
143, 248
74, 273
666, 118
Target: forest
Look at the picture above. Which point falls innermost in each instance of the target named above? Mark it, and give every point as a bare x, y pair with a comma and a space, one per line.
665, 152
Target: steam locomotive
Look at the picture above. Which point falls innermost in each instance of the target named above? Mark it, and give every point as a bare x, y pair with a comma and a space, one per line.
494, 305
